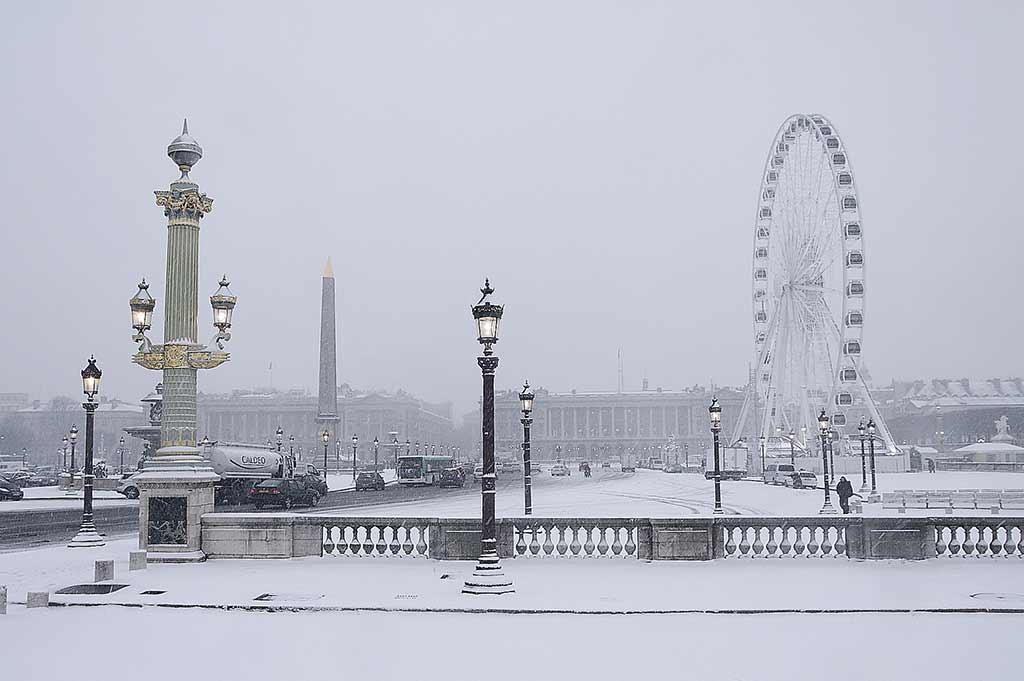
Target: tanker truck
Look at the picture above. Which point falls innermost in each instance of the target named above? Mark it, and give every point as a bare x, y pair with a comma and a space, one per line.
240, 467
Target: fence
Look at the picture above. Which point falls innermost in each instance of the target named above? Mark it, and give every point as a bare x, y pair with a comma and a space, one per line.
240, 535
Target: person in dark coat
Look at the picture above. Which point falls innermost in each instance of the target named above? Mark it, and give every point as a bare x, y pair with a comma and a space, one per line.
845, 490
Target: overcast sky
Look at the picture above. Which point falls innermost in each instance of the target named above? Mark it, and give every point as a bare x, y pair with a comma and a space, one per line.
600, 162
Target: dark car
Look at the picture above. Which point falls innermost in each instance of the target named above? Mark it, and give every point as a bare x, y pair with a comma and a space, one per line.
452, 477
606, 464
369, 481
673, 468
42, 480
10, 491
285, 492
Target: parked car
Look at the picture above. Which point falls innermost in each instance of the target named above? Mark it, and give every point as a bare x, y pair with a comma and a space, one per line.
801, 479
560, 470
42, 480
128, 486
9, 491
673, 468
629, 468
778, 473
285, 492
452, 477
368, 481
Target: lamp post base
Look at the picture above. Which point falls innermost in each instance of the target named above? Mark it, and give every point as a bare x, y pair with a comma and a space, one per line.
87, 537
864, 489
718, 511
488, 578
828, 509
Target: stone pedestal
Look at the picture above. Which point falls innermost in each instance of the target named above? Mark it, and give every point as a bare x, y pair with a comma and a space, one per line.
174, 493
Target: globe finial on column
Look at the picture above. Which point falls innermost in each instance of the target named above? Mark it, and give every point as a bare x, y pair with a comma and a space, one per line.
184, 151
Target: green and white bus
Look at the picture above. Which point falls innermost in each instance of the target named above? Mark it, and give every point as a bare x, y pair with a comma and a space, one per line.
414, 469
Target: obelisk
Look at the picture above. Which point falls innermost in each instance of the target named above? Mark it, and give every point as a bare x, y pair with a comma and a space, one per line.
327, 405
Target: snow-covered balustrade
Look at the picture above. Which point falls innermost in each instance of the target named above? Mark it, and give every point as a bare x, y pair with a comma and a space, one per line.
401, 537
576, 537
815, 536
978, 537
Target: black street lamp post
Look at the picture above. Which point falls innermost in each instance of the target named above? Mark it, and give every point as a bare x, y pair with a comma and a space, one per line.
394, 446
873, 498
355, 445
74, 440
487, 578
832, 454
120, 449
823, 426
291, 450
64, 447
325, 437
280, 438
762, 440
376, 443
526, 399
87, 534
337, 454
715, 412
792, 448
862, 434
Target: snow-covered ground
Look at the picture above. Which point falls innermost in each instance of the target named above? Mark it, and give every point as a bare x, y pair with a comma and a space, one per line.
545, 644
654, 494
343, 481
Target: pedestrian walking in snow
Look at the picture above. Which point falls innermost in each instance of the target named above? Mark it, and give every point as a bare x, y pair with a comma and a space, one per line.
845, 490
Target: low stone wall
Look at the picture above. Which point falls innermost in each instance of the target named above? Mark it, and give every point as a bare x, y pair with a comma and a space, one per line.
242, 535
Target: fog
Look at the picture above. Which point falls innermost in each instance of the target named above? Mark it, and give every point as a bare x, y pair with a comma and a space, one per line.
600, 162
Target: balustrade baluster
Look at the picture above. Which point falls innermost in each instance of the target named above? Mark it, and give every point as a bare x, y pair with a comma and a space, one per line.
798, 545
588, 545
772, 546
968, 540
826, 541
785, 546
574, 545
730, 545
520, 531
744, 544
995, 546
421, 539
353, 539
940, 540
616, 540
1020, 540
812, 545
548, 546
757, 548
389, 548
561, 546
841, 540
955, 543
602, 542
1008, 544
406, 534
328, 542
630, 544
981, 546
534, 544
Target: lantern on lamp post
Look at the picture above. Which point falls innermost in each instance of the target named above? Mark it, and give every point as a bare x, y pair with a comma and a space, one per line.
526, 401
355, 445
823, 427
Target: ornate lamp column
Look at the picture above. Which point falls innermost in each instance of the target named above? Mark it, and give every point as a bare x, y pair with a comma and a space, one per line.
176, 487
715, 412
862, 433
87, 535
526, 398
873, 498
488, 577
823, 426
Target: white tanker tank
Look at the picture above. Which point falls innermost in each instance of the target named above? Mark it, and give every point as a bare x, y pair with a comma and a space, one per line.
240, 466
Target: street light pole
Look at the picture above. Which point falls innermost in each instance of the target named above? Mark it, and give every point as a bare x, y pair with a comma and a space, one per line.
291, 451
823, 424
832, 453
762, 439
526, 398
74, 440
326, 437
862, 433
715, 412
355, 444
121, 449
873, 498
376, 443
792, 448
87, 535
487, 578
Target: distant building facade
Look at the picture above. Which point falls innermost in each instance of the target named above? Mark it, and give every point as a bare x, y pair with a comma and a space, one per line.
45, 423
254, 416
596, 425
13, 401
949, 413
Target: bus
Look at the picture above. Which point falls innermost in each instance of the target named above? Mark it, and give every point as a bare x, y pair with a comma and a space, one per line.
422, 470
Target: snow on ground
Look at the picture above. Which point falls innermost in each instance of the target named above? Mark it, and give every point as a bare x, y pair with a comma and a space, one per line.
343, 481
63, 643
654, 494
54, 492
47, 504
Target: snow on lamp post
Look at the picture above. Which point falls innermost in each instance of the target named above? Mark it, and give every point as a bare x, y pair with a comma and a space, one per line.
823, 426
488, 577
715, 413
526, 400
87, 535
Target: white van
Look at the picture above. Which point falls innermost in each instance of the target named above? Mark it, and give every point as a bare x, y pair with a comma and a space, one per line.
778, 473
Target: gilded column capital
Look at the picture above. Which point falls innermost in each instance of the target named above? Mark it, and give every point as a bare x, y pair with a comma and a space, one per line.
189, 204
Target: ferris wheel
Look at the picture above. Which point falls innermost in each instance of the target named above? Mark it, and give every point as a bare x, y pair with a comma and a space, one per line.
808, 292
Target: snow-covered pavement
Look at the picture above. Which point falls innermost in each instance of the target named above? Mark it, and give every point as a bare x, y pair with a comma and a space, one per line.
654, 494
